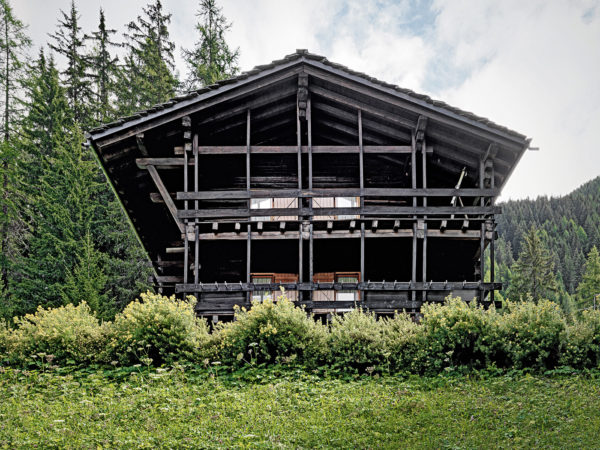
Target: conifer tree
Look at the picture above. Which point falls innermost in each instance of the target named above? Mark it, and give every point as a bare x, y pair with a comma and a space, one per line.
102, 70
590, 282
86, 281
146, 77
69, 42
14, 43
211, 59
533, 272
62, 187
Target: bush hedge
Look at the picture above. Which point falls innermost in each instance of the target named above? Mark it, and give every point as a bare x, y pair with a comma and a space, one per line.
158, 330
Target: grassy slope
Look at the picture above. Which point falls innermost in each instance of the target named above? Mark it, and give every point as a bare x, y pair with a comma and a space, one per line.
170, 410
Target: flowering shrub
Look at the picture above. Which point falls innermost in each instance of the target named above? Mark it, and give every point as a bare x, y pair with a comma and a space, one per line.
271, 332
582, 342
529, 335
356, 341
155, 330
455, 334
68, 334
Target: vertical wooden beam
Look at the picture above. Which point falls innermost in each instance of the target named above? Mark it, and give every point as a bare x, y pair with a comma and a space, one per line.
361, 155
311, 259
186, 257
310, 200
362, 201
248, 228
309, 131
424, 186
413, 158
186, 125
301, 224
196, 230
482, 259
492, 260
362, 256
481, 180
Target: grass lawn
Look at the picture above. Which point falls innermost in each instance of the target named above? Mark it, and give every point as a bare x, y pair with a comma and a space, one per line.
174, 409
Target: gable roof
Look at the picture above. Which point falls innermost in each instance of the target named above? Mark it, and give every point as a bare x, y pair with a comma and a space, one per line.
300, 56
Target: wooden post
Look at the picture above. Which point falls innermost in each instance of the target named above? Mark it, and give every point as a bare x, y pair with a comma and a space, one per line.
362, 256
196, 230
301, 224
482, 260
361, 156
413, 156
424, 182
249, 228
492, 260
186, 122
310, 200
362, 201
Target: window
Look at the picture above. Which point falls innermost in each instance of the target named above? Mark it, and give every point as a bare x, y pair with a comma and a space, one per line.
262, 278
266, 278
338, 277
347, 202
268, 203
261, 203
336, 202
347, 278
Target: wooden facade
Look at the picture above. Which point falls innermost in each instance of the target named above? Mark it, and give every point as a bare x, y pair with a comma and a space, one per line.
302, 174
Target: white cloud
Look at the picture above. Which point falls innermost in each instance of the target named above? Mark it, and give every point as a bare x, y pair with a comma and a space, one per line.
538, 69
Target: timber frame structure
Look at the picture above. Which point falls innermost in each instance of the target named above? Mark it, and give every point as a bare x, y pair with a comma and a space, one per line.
344, 190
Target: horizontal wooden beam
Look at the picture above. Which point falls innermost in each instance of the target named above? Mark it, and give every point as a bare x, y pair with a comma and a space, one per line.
365, 211
362, 286
334, 234
335, 192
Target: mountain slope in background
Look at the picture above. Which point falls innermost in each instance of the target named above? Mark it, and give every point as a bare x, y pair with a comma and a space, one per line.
569, 225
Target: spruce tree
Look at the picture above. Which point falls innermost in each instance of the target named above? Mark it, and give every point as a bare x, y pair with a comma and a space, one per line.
102, 70
533, 272
146, 77
13, 46
590, 282
211, 59
62, 187
69, 42
86, 280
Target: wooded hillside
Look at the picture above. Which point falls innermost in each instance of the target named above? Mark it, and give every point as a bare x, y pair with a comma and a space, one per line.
569, 227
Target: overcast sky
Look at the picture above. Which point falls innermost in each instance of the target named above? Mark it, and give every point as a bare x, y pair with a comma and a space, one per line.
531, 65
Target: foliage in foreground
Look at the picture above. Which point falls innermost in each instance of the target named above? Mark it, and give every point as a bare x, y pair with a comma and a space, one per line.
169, 408
157, 330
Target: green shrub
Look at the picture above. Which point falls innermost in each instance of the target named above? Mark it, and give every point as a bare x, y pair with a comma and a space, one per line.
581, 347
356, 341
454, 334
156, 330
529, 335
403, 340
271, 332
68, 334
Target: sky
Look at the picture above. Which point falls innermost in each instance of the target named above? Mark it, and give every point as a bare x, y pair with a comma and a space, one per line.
530, 65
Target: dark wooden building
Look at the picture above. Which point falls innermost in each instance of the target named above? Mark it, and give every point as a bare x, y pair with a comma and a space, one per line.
343, 189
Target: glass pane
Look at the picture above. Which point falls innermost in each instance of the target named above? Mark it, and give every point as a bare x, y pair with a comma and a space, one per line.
346, 202
347, 295
260, 203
